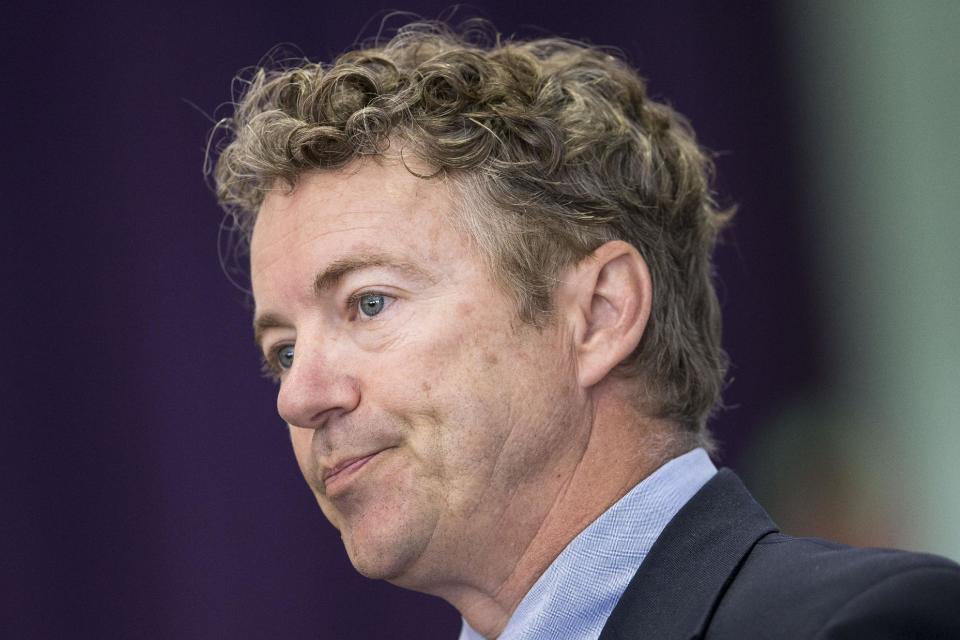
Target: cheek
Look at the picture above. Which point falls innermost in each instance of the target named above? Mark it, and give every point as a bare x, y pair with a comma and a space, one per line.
459, 367
441, 384
466, 381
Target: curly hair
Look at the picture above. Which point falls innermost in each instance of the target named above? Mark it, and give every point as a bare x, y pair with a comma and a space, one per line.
553, 148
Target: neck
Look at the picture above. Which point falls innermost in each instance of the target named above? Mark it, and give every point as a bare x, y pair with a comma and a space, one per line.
618, 451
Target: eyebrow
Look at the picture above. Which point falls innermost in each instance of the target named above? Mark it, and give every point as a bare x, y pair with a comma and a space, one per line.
338, 269
330, 276
262, 323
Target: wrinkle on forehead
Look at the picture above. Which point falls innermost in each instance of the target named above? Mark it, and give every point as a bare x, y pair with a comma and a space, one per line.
338, 196
317, 215
280, 247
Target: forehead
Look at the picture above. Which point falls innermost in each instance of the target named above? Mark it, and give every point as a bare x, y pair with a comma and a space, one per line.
369, 206
378, 191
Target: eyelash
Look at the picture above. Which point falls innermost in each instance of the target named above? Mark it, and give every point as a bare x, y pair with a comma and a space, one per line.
269, 368
353, 301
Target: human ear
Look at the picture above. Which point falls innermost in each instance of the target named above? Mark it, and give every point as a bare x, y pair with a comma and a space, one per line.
609, 296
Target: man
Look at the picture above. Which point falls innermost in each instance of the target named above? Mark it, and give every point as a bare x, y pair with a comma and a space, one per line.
482, 278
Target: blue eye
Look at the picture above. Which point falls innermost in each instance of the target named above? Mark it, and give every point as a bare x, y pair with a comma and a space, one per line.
285, 356
370, 304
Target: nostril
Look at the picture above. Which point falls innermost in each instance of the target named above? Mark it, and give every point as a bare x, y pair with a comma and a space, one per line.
309, 397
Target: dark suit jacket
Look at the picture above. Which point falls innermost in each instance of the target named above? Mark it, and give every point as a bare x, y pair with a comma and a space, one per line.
721, 570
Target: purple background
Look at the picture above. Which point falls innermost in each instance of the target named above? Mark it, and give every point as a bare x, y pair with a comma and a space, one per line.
148, 488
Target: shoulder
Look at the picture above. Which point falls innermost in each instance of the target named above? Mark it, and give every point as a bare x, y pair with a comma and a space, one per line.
790, 587
721, 570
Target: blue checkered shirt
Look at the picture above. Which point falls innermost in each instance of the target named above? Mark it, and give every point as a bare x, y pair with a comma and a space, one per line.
576, 594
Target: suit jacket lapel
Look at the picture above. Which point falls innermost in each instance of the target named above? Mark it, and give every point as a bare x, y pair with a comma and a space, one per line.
678, 585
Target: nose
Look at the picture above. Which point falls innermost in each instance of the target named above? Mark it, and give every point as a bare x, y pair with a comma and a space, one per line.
317, 386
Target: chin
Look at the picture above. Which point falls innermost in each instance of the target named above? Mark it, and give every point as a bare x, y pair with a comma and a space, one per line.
386, 543
386, 522
382, 561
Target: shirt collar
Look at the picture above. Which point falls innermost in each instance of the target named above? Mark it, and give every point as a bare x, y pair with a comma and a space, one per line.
575, 595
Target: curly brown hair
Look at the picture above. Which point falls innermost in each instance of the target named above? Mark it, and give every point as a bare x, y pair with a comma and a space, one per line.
553, 147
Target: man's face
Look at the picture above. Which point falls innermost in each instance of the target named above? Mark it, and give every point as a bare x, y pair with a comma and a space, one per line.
430, 423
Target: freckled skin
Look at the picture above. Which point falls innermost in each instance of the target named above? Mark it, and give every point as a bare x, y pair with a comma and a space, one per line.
478, 415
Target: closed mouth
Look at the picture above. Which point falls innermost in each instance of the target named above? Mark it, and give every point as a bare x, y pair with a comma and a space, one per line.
345, 469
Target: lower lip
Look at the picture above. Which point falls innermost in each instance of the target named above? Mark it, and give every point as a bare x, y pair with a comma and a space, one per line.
339, 481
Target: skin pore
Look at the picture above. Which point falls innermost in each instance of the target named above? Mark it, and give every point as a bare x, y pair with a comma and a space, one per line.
455, 448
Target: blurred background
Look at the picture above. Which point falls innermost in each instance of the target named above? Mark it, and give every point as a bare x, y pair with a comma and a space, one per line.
148, 488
